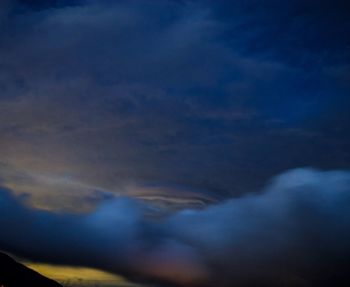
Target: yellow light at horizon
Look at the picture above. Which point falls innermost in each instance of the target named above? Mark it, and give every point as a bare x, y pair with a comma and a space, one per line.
78, 274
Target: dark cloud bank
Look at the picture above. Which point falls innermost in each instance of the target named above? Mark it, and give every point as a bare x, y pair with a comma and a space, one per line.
296, 232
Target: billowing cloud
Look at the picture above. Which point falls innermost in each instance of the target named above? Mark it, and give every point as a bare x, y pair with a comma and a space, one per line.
295, 232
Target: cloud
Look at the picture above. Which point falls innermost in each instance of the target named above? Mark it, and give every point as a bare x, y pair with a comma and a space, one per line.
293, 233
171, 83
213, 95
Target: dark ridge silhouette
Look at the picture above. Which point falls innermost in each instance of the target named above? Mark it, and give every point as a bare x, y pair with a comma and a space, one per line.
13, 274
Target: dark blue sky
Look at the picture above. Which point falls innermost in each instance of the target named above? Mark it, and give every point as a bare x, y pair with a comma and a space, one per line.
211, 95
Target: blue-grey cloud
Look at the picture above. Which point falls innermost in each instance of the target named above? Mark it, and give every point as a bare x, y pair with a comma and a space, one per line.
218, 96
294, 233
203, 94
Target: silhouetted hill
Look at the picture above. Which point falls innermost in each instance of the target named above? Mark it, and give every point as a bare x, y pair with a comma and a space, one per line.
13, 274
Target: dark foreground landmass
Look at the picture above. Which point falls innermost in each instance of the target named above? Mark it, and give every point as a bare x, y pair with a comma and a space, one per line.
14, 274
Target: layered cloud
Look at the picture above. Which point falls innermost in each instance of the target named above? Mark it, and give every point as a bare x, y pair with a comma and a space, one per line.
295, 232
202, 94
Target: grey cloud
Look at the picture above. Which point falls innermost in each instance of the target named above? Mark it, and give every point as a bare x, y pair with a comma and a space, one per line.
120, 92
110, 76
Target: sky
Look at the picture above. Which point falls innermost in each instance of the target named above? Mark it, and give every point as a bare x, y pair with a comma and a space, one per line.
139, 114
